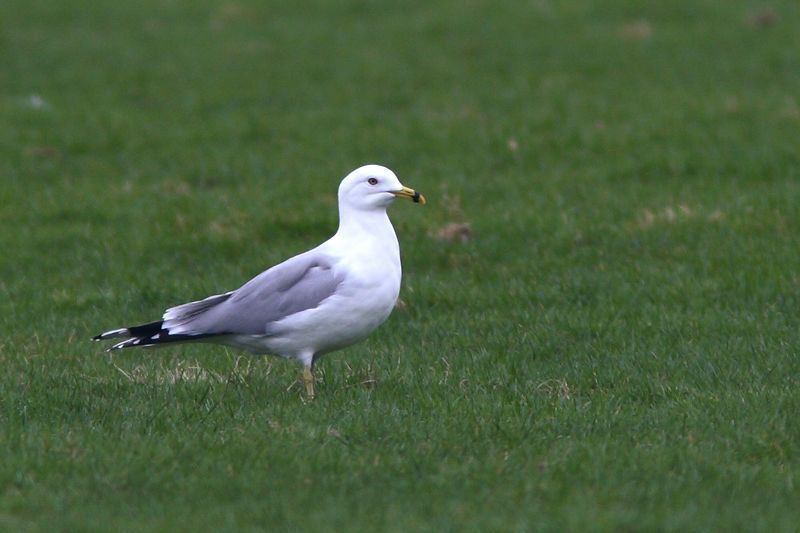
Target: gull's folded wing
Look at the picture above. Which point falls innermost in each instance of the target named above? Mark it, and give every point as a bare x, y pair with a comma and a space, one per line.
295, 285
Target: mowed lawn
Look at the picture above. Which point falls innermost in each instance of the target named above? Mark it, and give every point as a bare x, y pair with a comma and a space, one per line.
612, 345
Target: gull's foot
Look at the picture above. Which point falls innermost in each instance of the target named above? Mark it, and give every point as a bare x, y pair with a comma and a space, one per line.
308, 380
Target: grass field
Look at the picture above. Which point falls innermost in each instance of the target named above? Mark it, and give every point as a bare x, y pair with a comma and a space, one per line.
615, 347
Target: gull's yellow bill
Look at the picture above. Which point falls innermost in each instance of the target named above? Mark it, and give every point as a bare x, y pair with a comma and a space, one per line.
411, 194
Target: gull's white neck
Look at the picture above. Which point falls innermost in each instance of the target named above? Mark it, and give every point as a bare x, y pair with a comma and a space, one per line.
368, 228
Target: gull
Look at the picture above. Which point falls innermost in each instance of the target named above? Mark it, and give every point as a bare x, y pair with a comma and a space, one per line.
322, 300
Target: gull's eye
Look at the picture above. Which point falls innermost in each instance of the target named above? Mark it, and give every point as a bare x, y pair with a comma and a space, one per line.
372, 181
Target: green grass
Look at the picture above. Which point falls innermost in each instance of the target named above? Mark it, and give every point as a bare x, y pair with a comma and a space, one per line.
616, 348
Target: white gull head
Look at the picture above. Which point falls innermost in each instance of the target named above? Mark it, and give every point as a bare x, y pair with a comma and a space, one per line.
373, 188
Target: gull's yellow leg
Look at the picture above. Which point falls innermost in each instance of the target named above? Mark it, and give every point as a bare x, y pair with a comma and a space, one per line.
308, 379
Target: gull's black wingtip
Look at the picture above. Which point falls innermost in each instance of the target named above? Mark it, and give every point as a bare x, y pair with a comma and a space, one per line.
121, 332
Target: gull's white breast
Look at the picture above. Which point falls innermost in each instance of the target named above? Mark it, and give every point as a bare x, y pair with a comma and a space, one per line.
370, 272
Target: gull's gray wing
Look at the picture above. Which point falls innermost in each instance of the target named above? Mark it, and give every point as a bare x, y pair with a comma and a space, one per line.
295, 285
